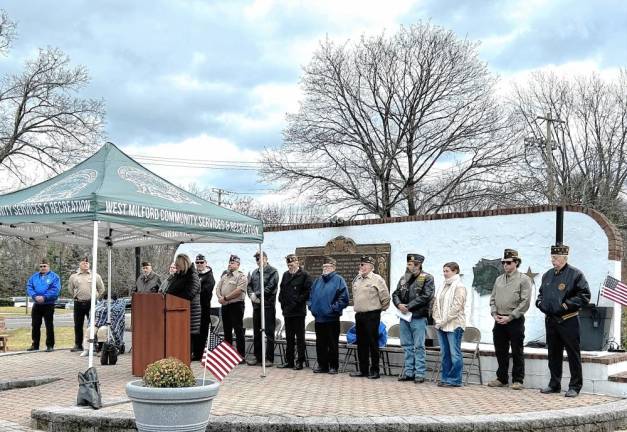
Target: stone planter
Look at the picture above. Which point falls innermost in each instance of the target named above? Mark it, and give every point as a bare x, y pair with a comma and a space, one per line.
172, 409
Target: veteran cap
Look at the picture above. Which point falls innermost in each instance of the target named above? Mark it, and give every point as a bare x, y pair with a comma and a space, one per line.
291, 258
414, 257
367, 259
511, 254
328, 260
234, 258
200, 257
559, 250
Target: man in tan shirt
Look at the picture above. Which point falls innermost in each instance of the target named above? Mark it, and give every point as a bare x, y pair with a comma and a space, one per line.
231, 292
509, 301
370, 297
80, 288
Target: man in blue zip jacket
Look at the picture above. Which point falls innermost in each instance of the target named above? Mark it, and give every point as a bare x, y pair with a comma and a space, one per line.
327, 300
43, 287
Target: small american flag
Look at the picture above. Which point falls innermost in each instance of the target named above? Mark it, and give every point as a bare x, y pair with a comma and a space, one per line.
614, 290
220, 357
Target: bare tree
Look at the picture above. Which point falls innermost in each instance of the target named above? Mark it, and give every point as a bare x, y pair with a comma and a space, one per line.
7, 32
382, 115
590, 146
42, 119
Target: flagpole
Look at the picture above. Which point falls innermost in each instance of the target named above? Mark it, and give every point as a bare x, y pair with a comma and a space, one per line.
263, 316
204, 369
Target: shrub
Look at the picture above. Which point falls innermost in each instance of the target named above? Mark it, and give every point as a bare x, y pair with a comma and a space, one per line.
6, 302
169, 372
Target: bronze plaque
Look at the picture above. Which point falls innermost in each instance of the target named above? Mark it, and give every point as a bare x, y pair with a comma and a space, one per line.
348, 254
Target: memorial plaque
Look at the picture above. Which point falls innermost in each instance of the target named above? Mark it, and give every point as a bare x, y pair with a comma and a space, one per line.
348, 254
485, 273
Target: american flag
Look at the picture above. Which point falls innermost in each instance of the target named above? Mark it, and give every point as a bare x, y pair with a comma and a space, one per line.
614, 290
220, 357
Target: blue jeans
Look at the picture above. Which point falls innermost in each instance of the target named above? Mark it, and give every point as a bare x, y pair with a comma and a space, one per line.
413, 342
452, 362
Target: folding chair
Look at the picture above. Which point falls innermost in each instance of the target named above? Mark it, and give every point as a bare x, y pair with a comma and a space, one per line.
351, 349
472, 335
393, 346
248, 334
310, 340
432, 353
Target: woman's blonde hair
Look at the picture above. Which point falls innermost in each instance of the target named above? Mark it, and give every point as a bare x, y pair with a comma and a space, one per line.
183, 262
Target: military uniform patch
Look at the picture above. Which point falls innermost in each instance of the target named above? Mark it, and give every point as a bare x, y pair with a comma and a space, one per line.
561, 286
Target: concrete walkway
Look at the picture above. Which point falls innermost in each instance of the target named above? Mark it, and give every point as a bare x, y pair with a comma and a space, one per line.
300, 400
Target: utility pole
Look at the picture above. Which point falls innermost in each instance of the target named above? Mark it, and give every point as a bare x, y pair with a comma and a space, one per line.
220, 192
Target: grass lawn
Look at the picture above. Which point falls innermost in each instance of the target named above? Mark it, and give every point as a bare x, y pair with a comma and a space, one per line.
20, 339
12, 311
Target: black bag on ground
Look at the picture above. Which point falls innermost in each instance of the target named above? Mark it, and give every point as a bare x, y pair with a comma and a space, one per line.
109, 354
89, 389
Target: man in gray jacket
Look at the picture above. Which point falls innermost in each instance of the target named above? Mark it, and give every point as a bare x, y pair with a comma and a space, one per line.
148, 281
508, 303
413, 294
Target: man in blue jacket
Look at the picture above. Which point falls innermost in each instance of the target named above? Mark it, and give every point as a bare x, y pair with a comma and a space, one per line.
43, 287
327, 300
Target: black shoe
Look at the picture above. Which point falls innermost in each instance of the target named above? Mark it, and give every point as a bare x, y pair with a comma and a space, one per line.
571, 393
286, 366
374, 375
549, 389
298, 366
406, 378
358, 374
49, 349
76, 348
332, 371
419, 380
318, 369
32, 348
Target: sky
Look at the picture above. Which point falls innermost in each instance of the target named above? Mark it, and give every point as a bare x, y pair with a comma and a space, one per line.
213, 80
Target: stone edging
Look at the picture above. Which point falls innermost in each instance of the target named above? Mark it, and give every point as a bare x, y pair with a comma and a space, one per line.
614, 237
609, 416
11, 384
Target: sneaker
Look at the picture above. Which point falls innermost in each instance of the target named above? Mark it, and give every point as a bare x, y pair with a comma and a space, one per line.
49, 349
318, 370
269, 363
496, 383
76, 348
406, 378
419, 380
32, 348
332, 371
84, 353
571, 393
517, 386
285, 366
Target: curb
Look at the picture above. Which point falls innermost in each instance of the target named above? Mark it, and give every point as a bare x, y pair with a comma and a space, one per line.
26, 382
605, 417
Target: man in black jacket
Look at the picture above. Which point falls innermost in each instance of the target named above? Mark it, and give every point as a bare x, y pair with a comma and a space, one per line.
563, 292
295, 287
207, 282
413, 296
270, 285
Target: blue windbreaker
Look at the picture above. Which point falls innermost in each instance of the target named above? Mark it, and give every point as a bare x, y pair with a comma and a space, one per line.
328, 297
47, 285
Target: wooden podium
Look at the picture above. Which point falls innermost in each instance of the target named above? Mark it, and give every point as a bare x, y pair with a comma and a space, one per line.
160, 329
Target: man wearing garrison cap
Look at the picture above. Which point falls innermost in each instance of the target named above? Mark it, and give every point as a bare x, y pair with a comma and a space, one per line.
563, 292
295, 287
413, 294
327, 300
508, 303
370, 298
80, 289
231, 292
148, 281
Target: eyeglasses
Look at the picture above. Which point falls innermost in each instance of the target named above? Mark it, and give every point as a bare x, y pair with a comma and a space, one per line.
507, 262
256, 258
362, 264
43, 265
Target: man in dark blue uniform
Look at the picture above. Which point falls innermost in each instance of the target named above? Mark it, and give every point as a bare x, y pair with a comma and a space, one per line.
563, 292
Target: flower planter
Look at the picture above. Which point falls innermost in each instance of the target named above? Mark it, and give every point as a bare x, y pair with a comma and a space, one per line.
172, 409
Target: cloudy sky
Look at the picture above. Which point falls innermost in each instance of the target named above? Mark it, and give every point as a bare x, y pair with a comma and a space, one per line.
212, 80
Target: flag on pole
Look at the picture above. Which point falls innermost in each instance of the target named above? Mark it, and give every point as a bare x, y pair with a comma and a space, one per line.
614, 290
220, 357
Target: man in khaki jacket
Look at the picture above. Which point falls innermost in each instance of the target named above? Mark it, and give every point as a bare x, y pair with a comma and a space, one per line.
231, 292
370, 297
509, 301
80, 288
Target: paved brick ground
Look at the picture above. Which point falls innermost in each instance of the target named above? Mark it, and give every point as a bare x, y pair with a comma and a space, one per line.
282, 392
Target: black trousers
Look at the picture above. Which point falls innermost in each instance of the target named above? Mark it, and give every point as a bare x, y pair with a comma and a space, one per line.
233, 319
295, 330
327, 339
270, 318
506, 335
45, 311
367, 327
81, 311
560, 335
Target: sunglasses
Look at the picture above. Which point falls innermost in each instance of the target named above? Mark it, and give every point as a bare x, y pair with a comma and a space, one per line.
507, 262
200, 262
43, 265
362, 264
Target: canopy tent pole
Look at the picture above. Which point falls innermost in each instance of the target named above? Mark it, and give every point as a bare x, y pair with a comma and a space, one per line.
109, 293
92, 311
263, 316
